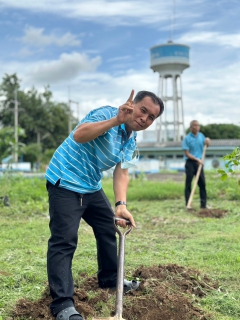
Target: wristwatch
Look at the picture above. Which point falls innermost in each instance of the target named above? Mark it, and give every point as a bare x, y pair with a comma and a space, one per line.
120, 202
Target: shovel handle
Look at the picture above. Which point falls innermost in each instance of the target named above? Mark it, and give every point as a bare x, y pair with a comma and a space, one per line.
196, 179
118, 230
120, 271
121, 219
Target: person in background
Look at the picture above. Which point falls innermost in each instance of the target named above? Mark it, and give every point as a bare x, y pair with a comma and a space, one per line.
105, 138
193, 145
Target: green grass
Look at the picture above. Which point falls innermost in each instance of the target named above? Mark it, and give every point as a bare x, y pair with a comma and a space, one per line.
166, 233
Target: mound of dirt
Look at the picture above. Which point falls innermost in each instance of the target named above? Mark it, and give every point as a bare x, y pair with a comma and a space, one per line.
166, 292
212, 213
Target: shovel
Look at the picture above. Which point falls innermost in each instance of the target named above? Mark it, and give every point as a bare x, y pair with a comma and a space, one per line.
120, 273
196, 180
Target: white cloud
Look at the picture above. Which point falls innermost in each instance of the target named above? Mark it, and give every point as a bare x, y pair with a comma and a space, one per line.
131, 12
35, 37
119, 58
207, 119
24, 52
212, 95
215, 38
104, 11
67, 67
204, 24
207, 96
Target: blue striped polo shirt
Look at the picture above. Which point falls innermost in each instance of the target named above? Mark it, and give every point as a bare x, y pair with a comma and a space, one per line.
79, 166
194, 144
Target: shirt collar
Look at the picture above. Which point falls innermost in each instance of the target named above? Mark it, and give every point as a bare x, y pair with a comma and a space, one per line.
133, 133
193, 135
123, 127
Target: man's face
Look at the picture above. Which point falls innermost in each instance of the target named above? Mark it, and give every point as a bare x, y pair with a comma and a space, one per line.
144, 113
195, 127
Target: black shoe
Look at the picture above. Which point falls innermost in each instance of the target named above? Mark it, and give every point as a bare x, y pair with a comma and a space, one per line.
130, 285
69, 313
127, 285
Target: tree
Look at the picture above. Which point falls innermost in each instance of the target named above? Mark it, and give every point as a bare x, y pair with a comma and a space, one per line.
9, 85
58, 124
47, 155
7, 143
232, 160
220, 131
45, 122
32, 153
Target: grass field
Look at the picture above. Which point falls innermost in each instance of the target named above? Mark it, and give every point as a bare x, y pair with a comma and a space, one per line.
166, 233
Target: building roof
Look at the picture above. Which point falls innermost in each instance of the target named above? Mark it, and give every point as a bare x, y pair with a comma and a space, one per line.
178, 144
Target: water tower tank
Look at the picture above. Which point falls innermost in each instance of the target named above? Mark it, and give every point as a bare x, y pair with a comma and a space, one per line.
169, 60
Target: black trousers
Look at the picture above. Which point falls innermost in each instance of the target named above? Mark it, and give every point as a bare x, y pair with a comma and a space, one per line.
191, 168
66, 209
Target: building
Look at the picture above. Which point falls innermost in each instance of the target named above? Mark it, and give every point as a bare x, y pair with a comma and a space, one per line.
171, 156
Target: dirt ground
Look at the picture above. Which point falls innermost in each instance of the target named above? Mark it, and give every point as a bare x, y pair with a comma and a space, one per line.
210, 213
166, 292
178, 176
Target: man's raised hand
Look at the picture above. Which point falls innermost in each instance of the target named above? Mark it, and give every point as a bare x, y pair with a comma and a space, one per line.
130, 99
125, 111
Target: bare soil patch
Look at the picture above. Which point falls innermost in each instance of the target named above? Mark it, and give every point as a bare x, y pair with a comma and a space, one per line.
166, 292
177, 177
210, 213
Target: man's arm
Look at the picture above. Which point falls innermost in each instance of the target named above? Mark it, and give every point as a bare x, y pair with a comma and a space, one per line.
207, 142
190, 156
89, 131
187, 152
120, 186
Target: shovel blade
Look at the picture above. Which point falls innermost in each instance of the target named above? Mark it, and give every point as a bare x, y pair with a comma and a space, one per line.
109, 318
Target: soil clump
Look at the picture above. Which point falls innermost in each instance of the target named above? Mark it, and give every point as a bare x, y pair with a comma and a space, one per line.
166, 292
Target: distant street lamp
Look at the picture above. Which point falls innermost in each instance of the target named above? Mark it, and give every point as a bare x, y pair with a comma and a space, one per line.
40, 138
70, 114
15, 111
16, 125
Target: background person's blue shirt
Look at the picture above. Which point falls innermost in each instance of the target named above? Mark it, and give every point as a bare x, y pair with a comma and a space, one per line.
79, 166
194, 144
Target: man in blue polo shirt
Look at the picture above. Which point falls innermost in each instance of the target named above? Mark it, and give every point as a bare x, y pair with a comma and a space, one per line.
193, 145
105, 138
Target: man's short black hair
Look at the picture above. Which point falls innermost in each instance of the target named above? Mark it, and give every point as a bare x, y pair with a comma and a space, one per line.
142, 94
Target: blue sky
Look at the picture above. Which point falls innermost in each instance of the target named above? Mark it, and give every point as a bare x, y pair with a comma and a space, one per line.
96, 51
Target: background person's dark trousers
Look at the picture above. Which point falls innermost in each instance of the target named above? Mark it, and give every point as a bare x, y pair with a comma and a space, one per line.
191, 168
66, 212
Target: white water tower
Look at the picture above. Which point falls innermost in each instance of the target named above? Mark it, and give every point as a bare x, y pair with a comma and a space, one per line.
169, 60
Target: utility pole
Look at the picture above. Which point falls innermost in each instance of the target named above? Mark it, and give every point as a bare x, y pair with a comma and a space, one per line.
78, 109
70, 116
69, 112
15, 111
16, 126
